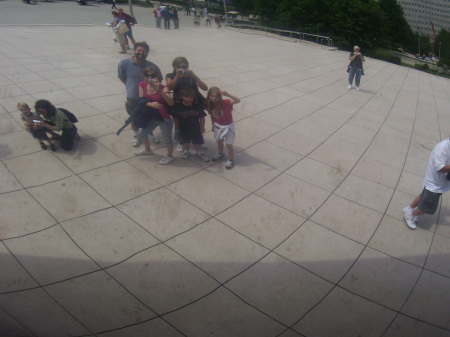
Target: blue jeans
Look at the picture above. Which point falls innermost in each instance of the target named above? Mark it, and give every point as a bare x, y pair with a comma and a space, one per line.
354, 73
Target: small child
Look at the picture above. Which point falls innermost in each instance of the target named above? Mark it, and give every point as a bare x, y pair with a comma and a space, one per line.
191, 119
222, 122
30, 120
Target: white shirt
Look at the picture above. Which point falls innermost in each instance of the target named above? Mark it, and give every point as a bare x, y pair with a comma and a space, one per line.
435, 181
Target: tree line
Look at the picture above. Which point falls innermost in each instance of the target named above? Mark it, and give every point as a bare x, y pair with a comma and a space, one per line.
369, 23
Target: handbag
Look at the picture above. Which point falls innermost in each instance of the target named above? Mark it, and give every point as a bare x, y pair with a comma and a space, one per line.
122, 28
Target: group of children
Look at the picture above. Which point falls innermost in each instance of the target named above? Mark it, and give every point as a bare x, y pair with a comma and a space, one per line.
185, 110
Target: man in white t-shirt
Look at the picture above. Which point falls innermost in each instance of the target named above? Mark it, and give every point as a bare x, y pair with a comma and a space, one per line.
435, 183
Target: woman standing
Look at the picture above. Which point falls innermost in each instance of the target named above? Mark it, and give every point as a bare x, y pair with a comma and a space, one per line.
355, 68
158, 16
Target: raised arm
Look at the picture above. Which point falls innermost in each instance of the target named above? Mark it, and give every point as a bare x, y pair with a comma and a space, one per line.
234, 99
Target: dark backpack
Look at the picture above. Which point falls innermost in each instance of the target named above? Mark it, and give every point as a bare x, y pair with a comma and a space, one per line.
69, 115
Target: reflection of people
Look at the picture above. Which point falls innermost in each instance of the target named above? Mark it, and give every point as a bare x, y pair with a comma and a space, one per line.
159, 97
435, 183
355, 67
30, 121
217, 21
113, 4
56, 120
130, 73
130, 21
220, 111
166, 16
115, 24
174, 16
182, 77
191, 119
158, 16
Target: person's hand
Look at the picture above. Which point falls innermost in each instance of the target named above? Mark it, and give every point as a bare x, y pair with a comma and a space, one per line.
155, 105
156, 83
223, 93
181, 72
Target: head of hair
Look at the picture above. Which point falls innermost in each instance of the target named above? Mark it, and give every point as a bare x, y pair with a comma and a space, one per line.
142, 44
177, 61
356, 47
120, 9
187, 91
46, 105
148, 69
114, 13
213, 108
22, 105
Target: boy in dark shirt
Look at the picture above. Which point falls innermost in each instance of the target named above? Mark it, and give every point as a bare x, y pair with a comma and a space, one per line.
191, 121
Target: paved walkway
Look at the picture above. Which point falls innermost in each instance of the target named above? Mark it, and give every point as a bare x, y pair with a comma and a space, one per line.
304, 237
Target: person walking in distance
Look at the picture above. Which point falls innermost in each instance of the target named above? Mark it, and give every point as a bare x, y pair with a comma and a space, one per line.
355, 68
436, 182
130, 72
130, 21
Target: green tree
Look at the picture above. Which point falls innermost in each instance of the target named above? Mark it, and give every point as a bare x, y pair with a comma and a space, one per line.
442, 47
398, 29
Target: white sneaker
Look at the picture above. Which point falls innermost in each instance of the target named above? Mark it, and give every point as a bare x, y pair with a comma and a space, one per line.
408, 209
409, 219
144, 153
357, 88
186, 154
153, 138
349, 87
202, 156
229, 164
166, 160
180, 148
136, 142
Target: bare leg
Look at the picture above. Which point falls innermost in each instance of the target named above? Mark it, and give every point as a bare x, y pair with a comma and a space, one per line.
146, 143
169, 150
220, 146
230, 149
414, 204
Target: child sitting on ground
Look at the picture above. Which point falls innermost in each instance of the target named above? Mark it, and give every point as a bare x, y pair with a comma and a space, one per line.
222, 122
30, 120
191, 119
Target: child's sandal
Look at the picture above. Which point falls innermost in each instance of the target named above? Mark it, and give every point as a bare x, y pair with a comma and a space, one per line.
43, 146
53, 147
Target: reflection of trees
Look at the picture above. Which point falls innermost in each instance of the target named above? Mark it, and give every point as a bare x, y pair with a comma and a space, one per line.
367, 22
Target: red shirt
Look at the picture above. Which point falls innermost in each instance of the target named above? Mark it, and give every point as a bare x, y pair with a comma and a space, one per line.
156, 97
227, 117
